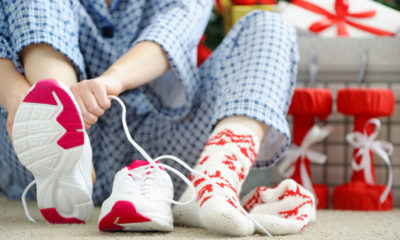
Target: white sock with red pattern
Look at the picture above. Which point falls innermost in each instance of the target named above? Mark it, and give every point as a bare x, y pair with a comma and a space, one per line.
227, 158
286, 209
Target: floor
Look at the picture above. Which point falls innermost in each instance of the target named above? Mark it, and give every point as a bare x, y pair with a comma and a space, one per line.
330, 225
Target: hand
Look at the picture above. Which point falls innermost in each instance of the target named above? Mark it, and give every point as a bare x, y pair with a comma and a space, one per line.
92, 97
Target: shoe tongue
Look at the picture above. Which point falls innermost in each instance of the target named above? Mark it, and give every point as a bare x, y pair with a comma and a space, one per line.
137, 163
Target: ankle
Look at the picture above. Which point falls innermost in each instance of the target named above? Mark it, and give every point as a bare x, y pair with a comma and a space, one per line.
257, 127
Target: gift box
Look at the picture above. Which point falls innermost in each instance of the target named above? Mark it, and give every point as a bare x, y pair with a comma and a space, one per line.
238, 11
351, 18
233, 10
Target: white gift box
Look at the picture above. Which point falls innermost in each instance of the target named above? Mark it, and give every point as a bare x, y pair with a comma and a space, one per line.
384, 18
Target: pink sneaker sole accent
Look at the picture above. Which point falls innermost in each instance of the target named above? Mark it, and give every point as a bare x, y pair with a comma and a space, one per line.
125, 212
69, 118
52, 216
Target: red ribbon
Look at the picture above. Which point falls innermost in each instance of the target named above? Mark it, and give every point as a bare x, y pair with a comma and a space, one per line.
219, 5
340, 18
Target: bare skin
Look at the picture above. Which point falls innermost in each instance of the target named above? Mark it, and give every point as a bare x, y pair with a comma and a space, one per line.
108, 2
13, 88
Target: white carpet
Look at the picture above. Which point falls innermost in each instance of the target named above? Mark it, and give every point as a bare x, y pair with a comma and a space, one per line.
330, 225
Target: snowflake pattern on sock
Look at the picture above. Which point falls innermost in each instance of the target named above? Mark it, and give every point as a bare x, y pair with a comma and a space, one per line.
255, 198
225, 141
285, 209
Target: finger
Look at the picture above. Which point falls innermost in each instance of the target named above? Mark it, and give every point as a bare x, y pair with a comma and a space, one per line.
91, 105
87, 126
89, 118
86, 115
100, 92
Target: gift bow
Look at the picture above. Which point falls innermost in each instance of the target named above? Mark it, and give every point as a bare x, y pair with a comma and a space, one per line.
340, 18
364, 144
286, 168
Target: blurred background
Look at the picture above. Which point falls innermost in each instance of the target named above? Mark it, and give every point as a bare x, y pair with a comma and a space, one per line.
342, 45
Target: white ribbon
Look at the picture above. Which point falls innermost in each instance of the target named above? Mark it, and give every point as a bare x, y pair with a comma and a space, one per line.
364, 144
287, 167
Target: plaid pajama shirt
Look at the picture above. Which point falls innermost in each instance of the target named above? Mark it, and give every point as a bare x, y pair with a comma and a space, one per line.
252, 73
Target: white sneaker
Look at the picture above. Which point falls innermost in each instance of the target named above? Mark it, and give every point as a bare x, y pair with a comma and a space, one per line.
50, 141
140, 200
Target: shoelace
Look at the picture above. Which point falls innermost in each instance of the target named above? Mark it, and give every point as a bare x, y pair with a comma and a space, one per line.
156, 165
146, 177
23, 197
148, 181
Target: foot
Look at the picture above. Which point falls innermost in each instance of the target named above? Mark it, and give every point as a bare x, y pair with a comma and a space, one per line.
50, 141
139, 200
286, 209
226, 159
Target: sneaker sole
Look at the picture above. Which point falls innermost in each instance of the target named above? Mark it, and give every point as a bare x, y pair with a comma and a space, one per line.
49, 140
123, 216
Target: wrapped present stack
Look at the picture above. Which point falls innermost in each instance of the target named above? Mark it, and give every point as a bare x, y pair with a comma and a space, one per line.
328, 18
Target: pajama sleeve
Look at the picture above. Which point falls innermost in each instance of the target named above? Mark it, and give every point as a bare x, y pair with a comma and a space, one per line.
4, 41
177, 26
42, 21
